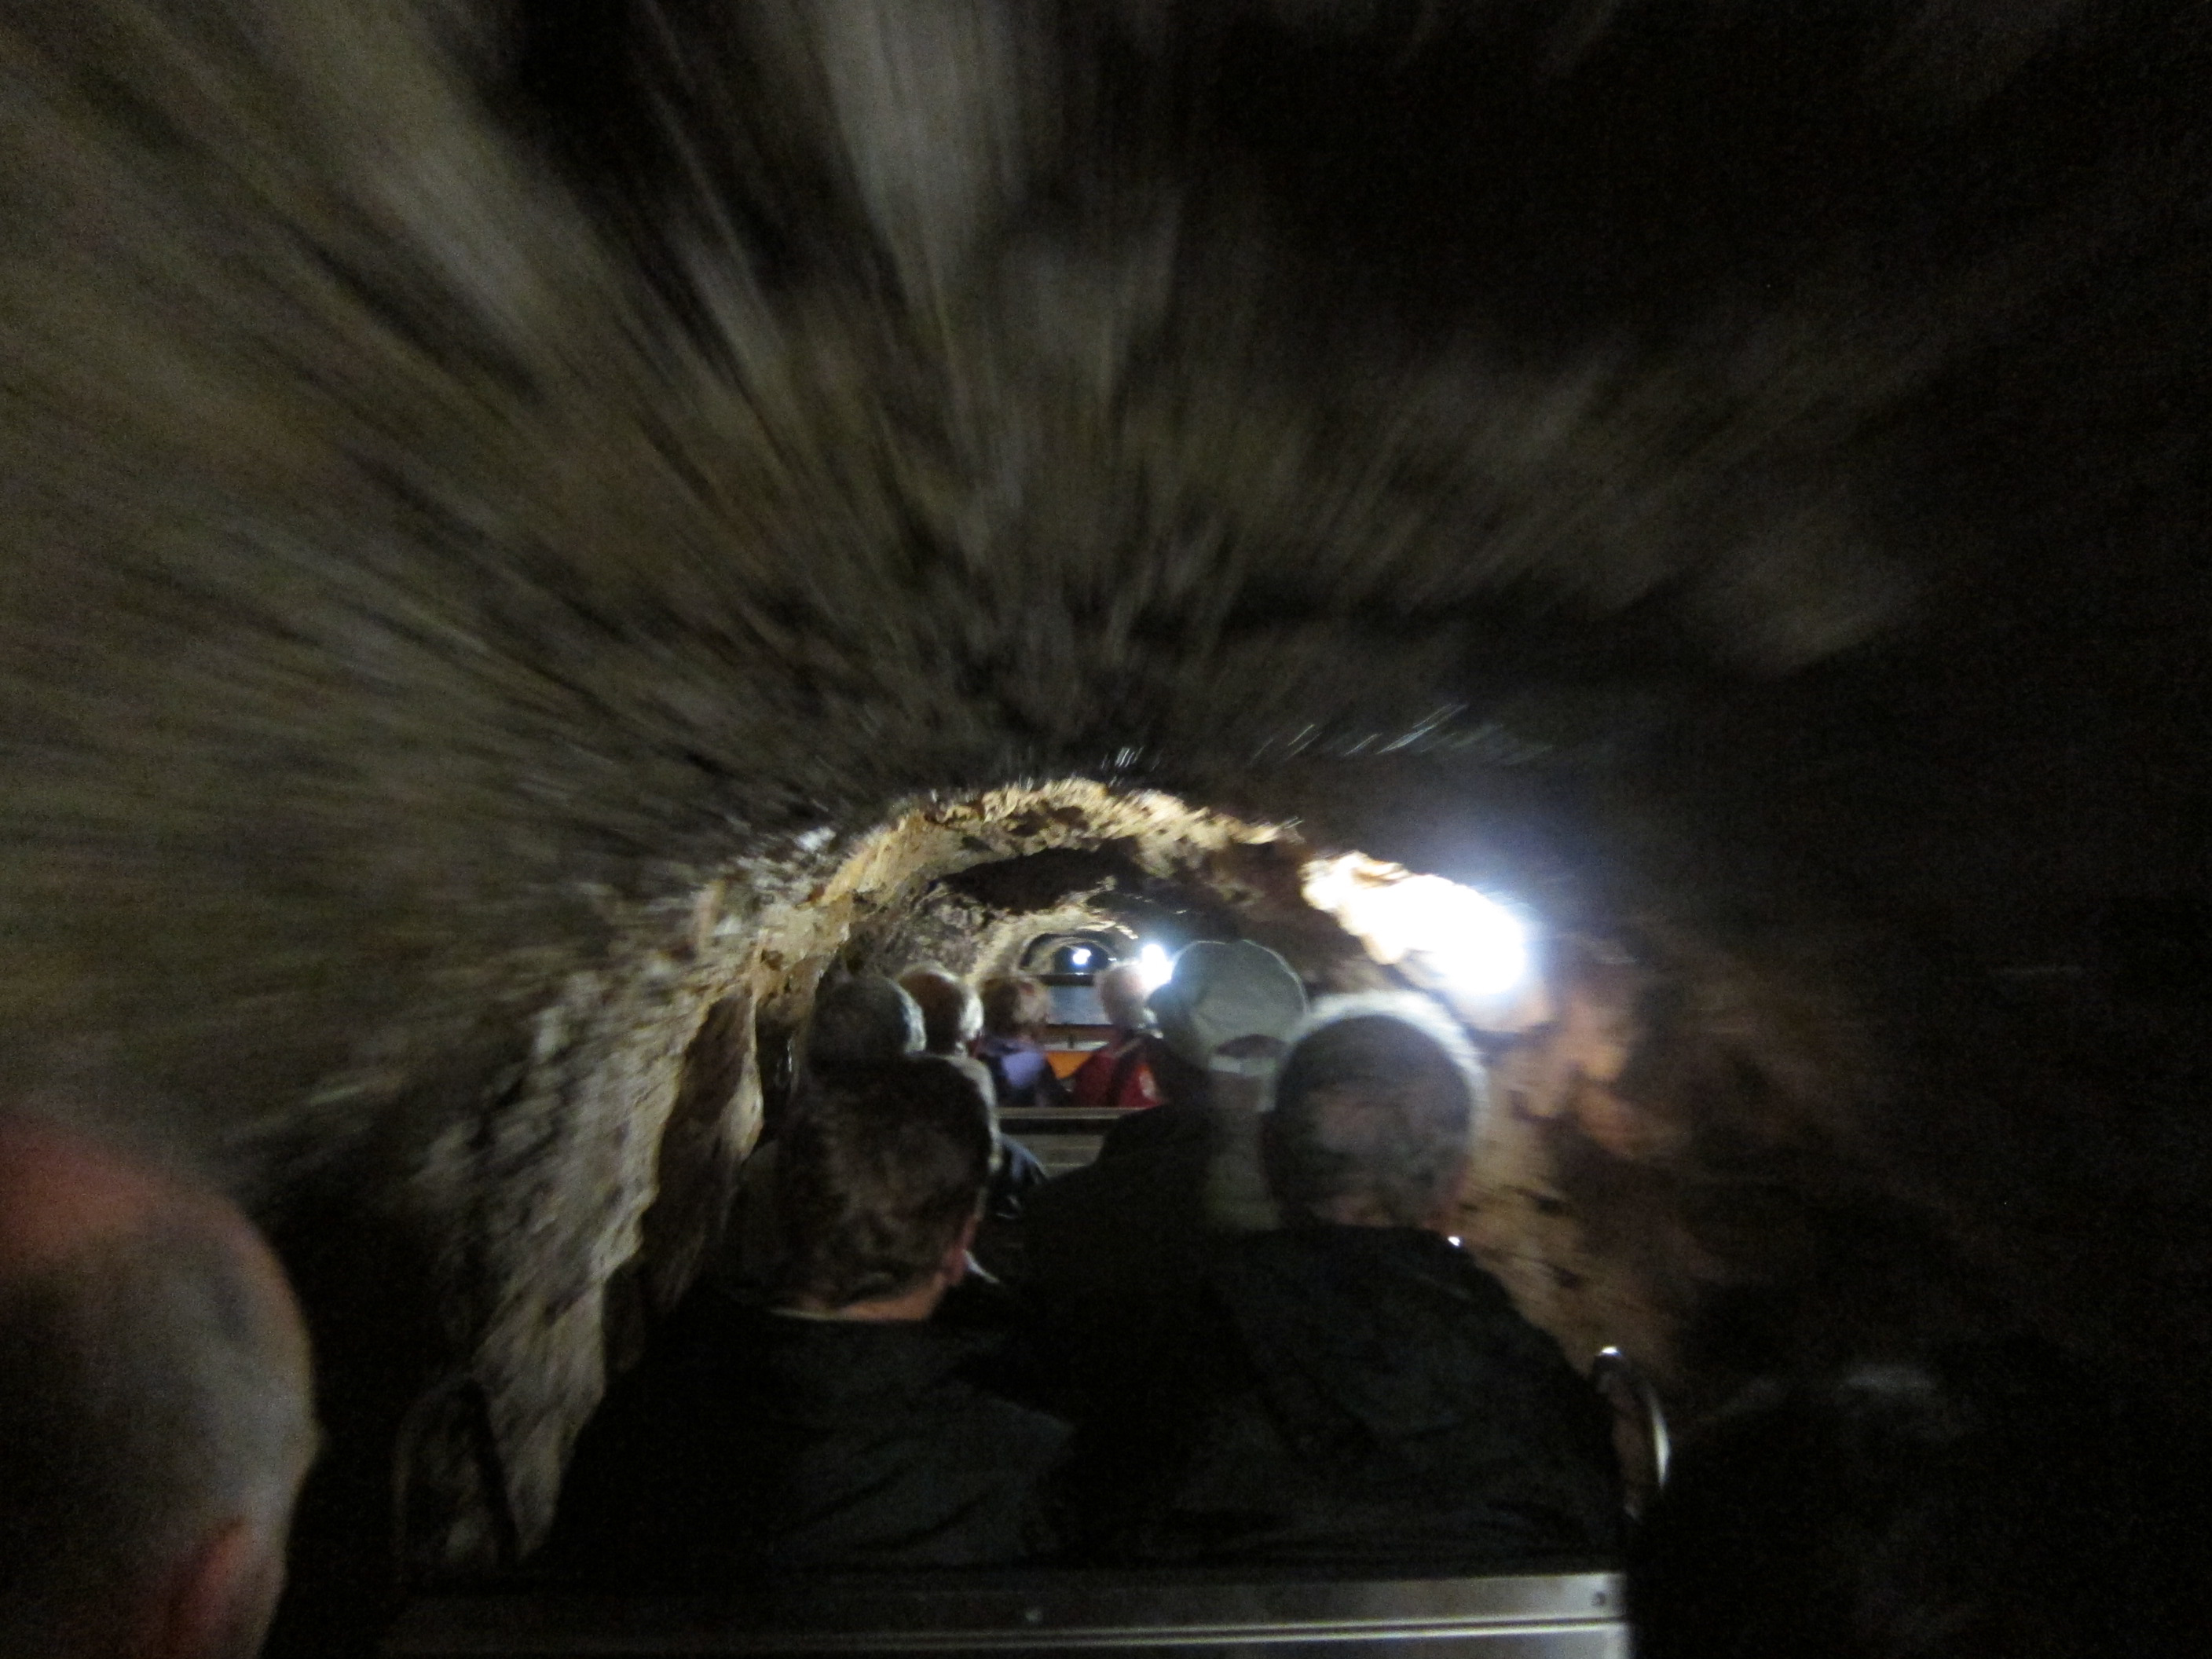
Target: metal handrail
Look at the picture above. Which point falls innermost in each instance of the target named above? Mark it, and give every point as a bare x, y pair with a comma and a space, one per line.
1576, 1615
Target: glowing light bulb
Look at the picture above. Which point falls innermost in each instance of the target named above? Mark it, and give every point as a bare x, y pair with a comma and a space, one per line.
1155, 966
1079, 958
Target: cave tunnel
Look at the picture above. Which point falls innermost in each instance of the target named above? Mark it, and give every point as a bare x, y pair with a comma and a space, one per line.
538, 533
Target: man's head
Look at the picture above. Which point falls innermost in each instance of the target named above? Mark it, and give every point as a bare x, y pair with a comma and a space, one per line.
1121, 994
1373, 1117
878, 1188
952, 1013
1222, 993
156, 1415
1015, 1005
859, 1024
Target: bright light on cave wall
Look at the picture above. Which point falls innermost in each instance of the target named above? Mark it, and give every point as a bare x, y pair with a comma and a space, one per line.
1465, 938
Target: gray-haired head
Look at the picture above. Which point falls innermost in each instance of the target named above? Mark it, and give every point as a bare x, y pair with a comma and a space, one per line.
859, 1024
156, 1408
1121, 994
1375, 1111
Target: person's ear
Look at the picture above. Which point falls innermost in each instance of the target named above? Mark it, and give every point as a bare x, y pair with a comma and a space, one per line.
221, 1600
953, 1266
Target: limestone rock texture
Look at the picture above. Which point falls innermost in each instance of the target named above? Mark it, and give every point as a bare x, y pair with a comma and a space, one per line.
536, 529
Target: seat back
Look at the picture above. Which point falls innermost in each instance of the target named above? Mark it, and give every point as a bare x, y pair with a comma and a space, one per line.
1063, 1138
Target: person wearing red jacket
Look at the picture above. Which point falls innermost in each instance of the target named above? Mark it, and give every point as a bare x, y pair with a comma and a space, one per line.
1121, 1073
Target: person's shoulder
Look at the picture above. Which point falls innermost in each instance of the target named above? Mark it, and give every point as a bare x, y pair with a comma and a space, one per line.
711, 1343
1480, 1287
1422, 1258
708, 1318
1400, 1274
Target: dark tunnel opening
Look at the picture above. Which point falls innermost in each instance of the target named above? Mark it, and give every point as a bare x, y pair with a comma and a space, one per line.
541, 535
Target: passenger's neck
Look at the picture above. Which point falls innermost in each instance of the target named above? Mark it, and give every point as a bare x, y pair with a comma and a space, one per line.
1354, 1212
908, 1307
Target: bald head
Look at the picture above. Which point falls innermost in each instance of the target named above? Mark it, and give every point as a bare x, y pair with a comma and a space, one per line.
156, 1415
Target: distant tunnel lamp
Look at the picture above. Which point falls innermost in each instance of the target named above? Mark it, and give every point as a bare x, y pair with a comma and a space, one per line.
1465, 938
1079, 958
1155, 964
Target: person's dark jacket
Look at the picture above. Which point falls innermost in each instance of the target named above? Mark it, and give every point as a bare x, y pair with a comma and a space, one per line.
1112, 1259
1368, 1395
1017, 1178
755, 1441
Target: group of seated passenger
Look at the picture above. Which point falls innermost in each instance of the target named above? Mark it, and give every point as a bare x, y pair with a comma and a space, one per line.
1323, 1375
1322, 1378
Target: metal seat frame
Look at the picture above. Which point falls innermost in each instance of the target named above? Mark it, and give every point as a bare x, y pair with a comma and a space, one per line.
1571, 1615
